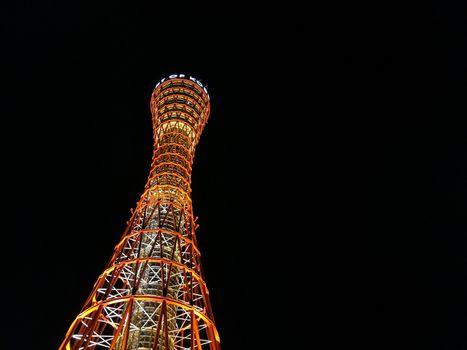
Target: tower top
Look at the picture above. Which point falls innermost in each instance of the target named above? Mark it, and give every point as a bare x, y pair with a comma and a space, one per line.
186, 77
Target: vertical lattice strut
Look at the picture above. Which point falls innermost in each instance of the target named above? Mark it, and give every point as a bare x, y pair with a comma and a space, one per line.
151, 295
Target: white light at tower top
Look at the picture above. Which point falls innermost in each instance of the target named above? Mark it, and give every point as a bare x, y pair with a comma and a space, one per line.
183, 76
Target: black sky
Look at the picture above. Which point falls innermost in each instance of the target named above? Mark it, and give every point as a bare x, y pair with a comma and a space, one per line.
329, 182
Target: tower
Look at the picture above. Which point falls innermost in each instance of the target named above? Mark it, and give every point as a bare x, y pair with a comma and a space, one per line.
151, 295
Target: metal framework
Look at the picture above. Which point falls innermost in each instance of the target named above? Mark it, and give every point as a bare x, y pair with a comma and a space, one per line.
151, 295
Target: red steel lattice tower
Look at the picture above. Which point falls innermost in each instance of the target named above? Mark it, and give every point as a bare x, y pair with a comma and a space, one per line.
151, 295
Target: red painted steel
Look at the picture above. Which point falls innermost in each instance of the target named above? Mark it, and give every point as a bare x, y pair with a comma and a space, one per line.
151, 295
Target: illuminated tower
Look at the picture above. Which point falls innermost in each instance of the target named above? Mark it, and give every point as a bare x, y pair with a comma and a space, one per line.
151, 295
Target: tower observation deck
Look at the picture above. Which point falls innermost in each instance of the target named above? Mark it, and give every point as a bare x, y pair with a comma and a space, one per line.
151, 294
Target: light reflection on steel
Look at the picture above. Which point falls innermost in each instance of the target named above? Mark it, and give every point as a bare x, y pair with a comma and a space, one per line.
151, 295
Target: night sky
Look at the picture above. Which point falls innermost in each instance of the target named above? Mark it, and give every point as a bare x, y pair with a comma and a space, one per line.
330, 181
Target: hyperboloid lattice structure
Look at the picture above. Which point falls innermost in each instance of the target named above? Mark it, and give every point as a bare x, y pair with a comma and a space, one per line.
152, 295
